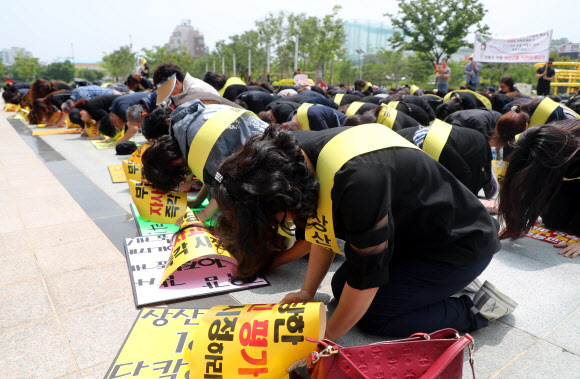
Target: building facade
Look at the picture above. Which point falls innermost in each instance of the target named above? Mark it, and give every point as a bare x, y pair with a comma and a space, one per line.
185, 36
9, 55
367, 37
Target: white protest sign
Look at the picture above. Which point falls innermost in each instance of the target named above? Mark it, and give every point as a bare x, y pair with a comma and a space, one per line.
523, 49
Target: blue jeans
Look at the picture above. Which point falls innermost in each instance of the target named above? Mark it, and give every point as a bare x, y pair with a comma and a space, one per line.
417, 298
442, 87
473, 86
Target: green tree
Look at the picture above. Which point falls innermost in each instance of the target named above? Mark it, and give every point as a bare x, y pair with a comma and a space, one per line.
64, 71
25, 68
3, 71
120, 63
161, 54
89, 75
436, 28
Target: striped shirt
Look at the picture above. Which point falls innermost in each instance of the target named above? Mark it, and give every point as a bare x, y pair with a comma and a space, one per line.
419, 137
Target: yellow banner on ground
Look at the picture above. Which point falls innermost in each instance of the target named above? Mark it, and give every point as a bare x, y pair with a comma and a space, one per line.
137, 155
49, 132
117, 174
260, 340
10, 107
133, 171
193, 243
157, 344
157, 206
92, 129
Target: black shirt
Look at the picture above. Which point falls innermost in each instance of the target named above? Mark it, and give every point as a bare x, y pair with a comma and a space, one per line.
543, 84
120, 104
234, 91
98, 107
482, 120
405, 198
421, 102
466, 154
257, 100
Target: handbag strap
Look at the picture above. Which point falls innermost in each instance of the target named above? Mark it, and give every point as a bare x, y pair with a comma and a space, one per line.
443, 361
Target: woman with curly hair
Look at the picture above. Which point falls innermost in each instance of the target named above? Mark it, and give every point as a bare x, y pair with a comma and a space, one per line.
370, 187
543, 179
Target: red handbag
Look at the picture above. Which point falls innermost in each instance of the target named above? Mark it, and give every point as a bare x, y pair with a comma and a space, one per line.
421, 356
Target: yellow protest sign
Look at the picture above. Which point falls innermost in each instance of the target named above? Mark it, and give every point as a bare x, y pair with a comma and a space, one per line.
92, 129
499, 169
157, 343
117, 174
193, 243
260, 340
157, 206
119, 135
10, 108
138, 154
133, 171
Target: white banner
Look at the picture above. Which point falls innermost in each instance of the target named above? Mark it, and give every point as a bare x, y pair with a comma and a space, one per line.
524, 49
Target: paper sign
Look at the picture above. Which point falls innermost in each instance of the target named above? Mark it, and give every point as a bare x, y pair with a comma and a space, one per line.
499, 169
260, 340
147, 258
147, 228
103, 145
522, 49
138, 154
117, 174
193, 243
157, 206
540, 232
440, 68
92, 129
132, 170
48, 132
157, 344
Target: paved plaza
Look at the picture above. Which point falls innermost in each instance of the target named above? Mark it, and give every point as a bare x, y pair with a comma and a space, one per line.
66, 303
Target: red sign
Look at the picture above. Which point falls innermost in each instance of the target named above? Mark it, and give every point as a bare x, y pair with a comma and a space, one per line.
322, 85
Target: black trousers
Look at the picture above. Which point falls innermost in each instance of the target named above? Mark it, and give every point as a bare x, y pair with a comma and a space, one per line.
417, 298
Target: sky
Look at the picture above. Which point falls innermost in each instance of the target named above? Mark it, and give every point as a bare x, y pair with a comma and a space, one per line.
89, 29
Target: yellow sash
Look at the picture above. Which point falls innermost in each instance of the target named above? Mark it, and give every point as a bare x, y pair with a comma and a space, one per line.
481, 98
436, 138
413, 89
569, 179
339, 150
207, 136
303, 116
393, 104
338, 98
354, 107
229, 82
387, 116
543, 111
369, 84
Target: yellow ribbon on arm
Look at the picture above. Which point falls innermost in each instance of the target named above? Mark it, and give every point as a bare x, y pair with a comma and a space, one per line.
207, 136
413, 89
354, 107
481, 98
339, 150
367, 85
302, 113
543, 111
436, 138
229, 82
338, 98
387, 116
393, 104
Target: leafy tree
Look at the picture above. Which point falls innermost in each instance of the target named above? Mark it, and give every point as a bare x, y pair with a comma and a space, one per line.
64, 71
89, 75
120, 63
25, 68
436, 28
3, 71
161, 54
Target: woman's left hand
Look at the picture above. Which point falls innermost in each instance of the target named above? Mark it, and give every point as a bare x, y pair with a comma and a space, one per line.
571, 250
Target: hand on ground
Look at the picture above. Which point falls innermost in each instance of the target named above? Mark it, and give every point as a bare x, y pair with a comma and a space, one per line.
570, 250
297, 297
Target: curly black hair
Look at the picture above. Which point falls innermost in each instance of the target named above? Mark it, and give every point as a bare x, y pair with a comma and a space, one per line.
267, 177
215, 79
165, 70
106, 127
156, 123
163, 165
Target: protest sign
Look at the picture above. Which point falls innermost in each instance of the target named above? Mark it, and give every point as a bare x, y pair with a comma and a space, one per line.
260, 340
92, 129
155, 205
48, 132
541, 233
523, 49
117, 174
147, 258
138, 154
156, 344
133, 170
